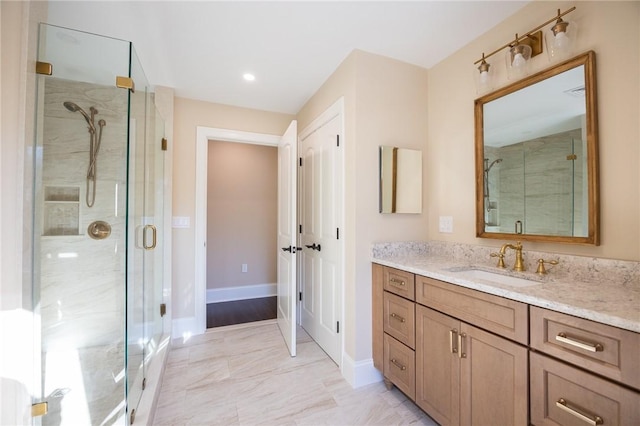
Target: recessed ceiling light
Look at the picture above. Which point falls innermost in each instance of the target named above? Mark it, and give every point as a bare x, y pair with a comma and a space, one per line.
249, 77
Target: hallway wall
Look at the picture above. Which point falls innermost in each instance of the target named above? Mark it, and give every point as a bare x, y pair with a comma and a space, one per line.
241, 215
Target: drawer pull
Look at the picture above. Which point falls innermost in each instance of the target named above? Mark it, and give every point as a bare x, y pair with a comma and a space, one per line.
461, 352
398, 317
397, 364
452, 341
563, 405
397, 282
587, 346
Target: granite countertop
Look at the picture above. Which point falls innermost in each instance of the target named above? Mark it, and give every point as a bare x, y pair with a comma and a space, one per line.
612, 301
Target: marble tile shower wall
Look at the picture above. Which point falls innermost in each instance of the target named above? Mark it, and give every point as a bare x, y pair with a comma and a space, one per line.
570, 268
82, 280
539, 185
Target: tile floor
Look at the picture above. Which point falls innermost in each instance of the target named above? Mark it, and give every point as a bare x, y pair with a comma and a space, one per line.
243, 375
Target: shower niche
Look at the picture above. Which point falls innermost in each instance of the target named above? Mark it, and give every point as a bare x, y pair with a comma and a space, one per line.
61, 210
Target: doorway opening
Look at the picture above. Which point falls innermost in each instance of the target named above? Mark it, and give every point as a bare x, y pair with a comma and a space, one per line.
241, 232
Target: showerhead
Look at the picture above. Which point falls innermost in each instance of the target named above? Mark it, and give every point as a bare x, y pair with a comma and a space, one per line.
75, 108
489, 166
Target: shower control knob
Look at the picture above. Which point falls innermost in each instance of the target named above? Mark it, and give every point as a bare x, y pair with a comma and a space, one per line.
99, 230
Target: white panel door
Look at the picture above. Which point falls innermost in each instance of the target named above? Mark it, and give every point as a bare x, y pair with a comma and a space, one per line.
287, 220
321, 192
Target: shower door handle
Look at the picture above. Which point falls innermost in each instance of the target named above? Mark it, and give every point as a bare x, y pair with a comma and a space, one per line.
154, 236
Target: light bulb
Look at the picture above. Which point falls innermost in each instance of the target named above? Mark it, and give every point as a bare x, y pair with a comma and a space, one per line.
484, 77
518, 61
561, 41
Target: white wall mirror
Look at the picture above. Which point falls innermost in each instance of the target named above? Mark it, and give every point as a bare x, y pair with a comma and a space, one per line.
400, 180
537, 157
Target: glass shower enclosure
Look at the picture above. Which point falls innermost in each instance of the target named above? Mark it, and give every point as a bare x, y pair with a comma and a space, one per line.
98, 191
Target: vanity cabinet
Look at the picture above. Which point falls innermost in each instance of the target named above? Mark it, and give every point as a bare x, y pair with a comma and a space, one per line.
564, 395
471, 358
465, 375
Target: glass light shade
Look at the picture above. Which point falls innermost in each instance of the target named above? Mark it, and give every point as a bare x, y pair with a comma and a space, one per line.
483, 78
518, 61
559, 40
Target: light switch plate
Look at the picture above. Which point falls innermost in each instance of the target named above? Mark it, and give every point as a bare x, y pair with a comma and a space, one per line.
446, 224
180, 222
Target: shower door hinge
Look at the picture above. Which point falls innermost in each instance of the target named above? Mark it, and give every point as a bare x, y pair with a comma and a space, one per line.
163, 309
144, 383
164, 144
44, 68
125, 83
572, 157
132, 417
337, 326
39, 409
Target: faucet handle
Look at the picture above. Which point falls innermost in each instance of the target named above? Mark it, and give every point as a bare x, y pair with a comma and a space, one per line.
500, 257
541, 269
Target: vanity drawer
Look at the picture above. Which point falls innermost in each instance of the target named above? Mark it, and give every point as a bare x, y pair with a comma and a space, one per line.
505, 317
400, 319
564, 395
399, 282
400, 366
603, 349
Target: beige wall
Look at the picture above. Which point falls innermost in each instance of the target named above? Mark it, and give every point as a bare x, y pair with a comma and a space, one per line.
242, 208
188, 115
385, 104
612, 30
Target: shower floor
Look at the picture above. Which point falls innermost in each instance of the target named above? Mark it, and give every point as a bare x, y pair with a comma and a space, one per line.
240, 311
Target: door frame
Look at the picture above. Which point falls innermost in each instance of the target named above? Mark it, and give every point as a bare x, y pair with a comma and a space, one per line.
203, 136
336, 109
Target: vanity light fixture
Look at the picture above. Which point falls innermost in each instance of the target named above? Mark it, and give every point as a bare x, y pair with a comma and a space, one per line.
527, 46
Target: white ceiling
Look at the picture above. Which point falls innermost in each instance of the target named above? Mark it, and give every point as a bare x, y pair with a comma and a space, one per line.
202, 48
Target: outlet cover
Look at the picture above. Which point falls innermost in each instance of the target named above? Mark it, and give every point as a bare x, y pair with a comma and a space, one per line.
245, 267
446, 224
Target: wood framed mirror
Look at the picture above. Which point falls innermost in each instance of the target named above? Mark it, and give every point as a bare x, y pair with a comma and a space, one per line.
536, 148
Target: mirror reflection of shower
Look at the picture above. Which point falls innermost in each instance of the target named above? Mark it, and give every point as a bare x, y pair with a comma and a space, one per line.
94, 147
491, 207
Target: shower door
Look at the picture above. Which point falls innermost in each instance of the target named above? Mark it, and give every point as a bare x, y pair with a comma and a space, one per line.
145, 218
98, 191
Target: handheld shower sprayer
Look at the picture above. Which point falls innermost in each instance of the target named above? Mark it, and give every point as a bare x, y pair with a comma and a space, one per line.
94, 147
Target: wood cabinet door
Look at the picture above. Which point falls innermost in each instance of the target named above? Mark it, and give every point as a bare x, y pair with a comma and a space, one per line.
493, 379
437, 366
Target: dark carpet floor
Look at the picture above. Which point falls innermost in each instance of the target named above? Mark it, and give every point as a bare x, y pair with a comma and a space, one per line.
240, 311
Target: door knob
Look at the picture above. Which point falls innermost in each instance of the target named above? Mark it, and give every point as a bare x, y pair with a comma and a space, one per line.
314, 246
289, 249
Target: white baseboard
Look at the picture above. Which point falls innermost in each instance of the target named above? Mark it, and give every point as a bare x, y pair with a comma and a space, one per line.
359, 373
183, 328
227, 294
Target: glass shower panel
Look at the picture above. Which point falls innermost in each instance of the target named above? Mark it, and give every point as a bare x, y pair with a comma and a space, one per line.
549, 181
139, 238
80, 228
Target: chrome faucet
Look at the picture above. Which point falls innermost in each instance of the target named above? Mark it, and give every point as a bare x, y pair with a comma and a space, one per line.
519, 264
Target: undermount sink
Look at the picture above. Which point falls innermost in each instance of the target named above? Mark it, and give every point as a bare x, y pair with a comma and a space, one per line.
479, 274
